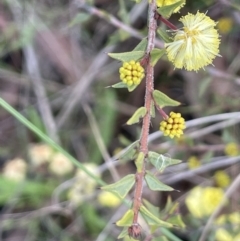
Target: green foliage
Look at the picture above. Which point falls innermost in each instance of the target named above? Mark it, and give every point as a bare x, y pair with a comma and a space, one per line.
152, 220
154, 184
167, 11
138, 114
121, 187
30, 193
79, 18
142, 45
156, 54
126, 220
127, 56
163, 35
131, 152
163, 100
160, 161
124, 233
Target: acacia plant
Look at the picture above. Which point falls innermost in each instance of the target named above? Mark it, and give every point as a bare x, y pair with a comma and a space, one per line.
191, 47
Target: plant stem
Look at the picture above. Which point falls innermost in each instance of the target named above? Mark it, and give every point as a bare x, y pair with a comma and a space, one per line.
147, 118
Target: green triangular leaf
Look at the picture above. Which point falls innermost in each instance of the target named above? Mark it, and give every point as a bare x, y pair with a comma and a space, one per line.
152, 220
123, 234
176, 220
156, 54
167, 11
138, 114
154, 184
132, 88
121, 187
118, 85
126, 220
141, 46
163, 100
160, 161
127, 56
150, 207
164, 36
152, 110
131, 152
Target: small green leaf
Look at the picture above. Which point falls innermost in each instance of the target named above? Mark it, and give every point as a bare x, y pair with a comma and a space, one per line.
156, 54
150, 207
160, 161
131, 152
152, 220
152, 110
154, 184
164, 36
132, 88
176, 220
121, 187
118, 85
167, 11
127, 56
124, 233
163, 100
138, 114
141, 46
139, 161
126, 220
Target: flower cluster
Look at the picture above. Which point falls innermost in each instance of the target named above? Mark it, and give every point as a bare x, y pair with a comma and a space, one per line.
225, 25
193, 162
202, 201
162, 3
108, 199
222, 179
196, 44
131, 73
173, 125
231, 149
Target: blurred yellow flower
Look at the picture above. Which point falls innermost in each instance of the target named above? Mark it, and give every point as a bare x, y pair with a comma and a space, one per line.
222, 179
15, 169
40, 154
161, 3
202, 201
225, 25
196, 44
108, 199
223, 235
193, 162
84, 185
60, 165
231, 149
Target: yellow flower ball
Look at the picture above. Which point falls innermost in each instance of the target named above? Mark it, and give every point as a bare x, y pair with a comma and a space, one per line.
196, 44
222, 179
161, 3
15, 169
223, 235
108, 199
231, 149
225, 25
202, 201
193, 162
131, 73
173, 126
60, 165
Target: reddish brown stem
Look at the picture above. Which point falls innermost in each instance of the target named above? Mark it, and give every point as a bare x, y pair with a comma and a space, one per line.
147, 118
165, 21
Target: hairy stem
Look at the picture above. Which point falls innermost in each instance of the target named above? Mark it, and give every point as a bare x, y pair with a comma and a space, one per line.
152, 25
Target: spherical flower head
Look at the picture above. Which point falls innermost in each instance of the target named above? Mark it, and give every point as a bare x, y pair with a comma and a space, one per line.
202, 201
173, 126
40, 154
193, 162
223, 235
231, 149
161, 3
222, 179
15, 169
225, 25
131, 73
211, 198
108, 199
60, 165
196, 45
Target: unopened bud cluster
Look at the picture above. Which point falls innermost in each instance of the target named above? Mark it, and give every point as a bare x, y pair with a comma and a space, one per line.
173, 126
131, 73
